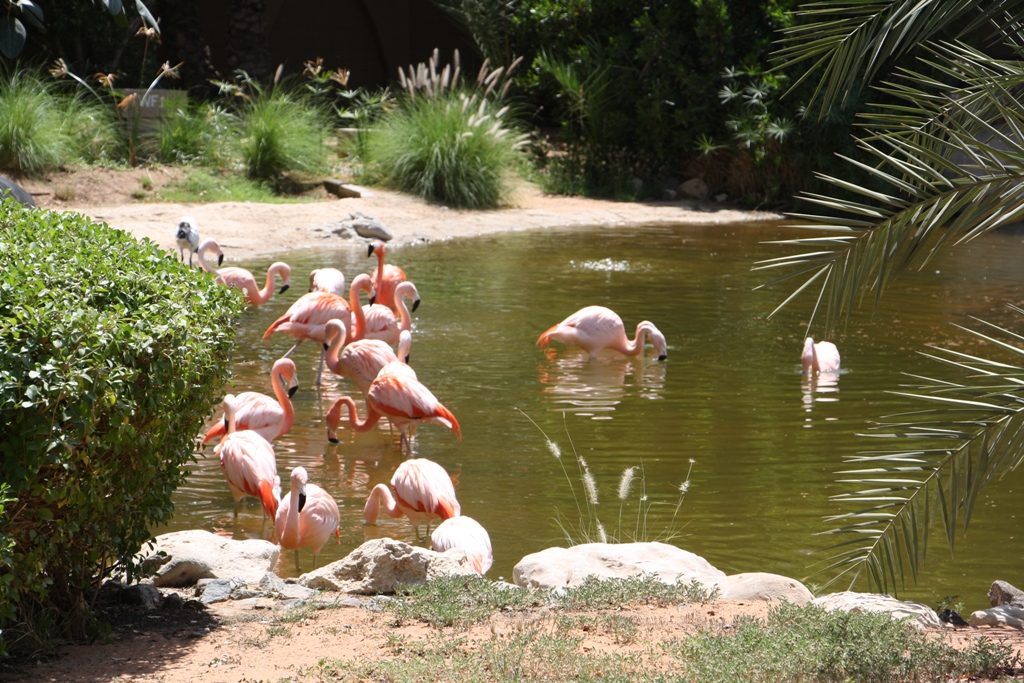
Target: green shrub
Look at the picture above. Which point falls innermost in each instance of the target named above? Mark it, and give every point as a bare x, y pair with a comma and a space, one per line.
281, 131
92, 127
196, 134
457, 149
32, 135
111, 356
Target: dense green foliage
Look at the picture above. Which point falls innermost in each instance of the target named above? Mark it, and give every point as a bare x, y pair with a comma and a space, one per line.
112, 354
195, 133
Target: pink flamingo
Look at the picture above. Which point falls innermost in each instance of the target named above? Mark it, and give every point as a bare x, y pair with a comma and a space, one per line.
385, 277
327, 280
381, 322
595, 328
397, 395
307, 518
268, 417
241, 279
362, 360
820, 357
422, 491
467, 534
248, 462
308, 316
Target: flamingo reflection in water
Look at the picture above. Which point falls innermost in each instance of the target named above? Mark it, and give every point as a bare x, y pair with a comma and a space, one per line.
575, 383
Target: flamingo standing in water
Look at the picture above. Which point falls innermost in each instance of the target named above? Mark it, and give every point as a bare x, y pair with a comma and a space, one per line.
327, 280
820, 357
467, 534
422, 491
381, 322
241, 279
385, 277
362, 360
307, 517
595, 328
397, 395
307, 317
248, 462
268, 417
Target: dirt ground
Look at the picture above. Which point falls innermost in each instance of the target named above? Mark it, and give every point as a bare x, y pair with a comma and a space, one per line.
247, 230
230, 644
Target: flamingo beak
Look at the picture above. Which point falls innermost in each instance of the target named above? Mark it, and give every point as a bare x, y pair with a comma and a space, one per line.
226, 422
292, 390
302, 501
220, 259
284, 288
369, 250
407, 358
415, 305
327, 347
373, 299
663, 356
333, 439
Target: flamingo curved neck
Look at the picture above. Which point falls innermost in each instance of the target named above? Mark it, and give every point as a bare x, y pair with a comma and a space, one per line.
290, 535
286, 402
333, 357
380, 494
379, 284
264, 294
357, 310
201, 255
632, 348
405, 322
229, 415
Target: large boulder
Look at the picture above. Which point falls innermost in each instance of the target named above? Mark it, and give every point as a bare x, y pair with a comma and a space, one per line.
762, 586
1002, 593
921, 616
12, 190
555, 567
380, 565
196, 554
1002, 615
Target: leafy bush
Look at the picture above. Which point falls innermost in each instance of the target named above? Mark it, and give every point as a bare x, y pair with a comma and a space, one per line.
195, 134
111, 356
447, 143
32, 135
281, 131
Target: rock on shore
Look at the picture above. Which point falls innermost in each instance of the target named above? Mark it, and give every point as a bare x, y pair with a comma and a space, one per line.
184, 557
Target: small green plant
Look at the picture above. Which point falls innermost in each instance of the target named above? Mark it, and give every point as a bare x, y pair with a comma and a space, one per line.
814, 645
589, 528
448, 143
196, 134
64, 193
146, 182
221, 186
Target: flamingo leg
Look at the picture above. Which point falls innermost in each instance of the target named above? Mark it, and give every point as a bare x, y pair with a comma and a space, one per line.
292, 349
320, 370
296, 560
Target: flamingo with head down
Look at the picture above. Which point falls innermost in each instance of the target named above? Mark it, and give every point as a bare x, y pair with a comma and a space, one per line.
385, 277
268, 417
241, 279
307, 517
595, 328
363, 359
399, 396
327, 280
820, 357
420, 489
468, 535
248, 462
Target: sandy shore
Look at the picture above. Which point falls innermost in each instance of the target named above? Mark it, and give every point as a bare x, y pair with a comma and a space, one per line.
247, 230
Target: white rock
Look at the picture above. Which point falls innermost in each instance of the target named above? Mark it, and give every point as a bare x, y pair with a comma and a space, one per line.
378, 566
695, 188
762, 586
570, 566
922, 616
198, 554
1003, 615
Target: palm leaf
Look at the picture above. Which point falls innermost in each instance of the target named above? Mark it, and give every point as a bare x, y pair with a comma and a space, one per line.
974, 436
954, 166
849, 41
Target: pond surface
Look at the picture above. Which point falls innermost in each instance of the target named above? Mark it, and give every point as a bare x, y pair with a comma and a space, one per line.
729, 401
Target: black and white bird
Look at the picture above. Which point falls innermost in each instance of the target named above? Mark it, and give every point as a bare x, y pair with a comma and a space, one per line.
188, 238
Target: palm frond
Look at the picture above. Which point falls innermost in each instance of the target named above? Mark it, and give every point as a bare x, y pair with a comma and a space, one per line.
979, 418
849, 41
953, 162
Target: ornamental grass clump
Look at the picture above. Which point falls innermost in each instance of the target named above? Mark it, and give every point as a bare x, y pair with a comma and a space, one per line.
447, 142
281, 131
112, 355
193, 133
32, 135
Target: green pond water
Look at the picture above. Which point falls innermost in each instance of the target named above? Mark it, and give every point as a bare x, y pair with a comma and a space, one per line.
730, 397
